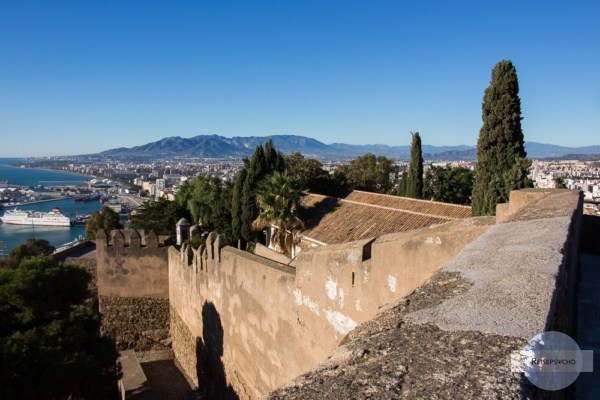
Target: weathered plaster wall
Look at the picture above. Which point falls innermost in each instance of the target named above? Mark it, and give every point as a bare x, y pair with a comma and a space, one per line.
348, 283
133, 289
128, 269
271, 322
240, 305
453, 336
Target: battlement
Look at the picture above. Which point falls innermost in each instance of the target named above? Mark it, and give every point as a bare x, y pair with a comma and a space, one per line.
269, 311
254, 324
199, 258
132, 264
133, 288
131, 238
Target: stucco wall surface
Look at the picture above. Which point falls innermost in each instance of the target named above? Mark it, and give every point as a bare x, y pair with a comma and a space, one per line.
453, 336
241, 306
128, 269
273, 322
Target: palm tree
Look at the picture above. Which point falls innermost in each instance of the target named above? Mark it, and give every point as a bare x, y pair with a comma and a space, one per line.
278, 198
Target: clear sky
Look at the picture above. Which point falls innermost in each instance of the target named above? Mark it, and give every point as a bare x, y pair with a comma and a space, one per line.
85, 76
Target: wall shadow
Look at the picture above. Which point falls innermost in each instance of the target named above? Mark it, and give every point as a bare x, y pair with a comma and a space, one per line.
590, 232
166, 382
209, 352
313, 214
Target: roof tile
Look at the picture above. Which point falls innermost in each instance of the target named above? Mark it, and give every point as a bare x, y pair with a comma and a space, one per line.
364, 215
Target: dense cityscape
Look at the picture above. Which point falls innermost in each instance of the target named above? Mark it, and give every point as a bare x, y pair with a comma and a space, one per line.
133, 182
291, 200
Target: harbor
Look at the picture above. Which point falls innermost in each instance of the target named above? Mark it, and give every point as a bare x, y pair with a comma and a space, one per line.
34, 190
13, 235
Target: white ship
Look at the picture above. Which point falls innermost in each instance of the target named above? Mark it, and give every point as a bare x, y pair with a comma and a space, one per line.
35, 218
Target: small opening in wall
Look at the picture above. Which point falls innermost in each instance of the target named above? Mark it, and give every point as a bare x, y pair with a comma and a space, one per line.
353, 279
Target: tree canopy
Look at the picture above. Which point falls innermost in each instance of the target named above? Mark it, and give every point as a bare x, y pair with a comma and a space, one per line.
402, 187
50, 343
30, 248
107, 220
311, 176
159, 216
501, 164
278, 199
370, 173
265, 160
208, 199
448, 185
236, 201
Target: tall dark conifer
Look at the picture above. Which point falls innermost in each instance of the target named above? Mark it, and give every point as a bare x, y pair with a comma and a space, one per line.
414, 185
501, 164
265, 160
255, 172
236, 201
273, 158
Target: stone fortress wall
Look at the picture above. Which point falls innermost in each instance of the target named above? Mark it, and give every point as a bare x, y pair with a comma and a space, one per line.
459, 329
243, 323
257, 323
133, 289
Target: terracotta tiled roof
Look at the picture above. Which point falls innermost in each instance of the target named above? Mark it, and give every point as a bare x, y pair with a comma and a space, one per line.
454, 211
364, 215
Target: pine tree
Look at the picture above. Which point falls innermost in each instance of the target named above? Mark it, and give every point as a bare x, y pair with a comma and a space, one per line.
414, 186
501, 164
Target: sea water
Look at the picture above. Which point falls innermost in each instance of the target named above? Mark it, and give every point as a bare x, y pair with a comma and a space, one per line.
11, 171
13, 235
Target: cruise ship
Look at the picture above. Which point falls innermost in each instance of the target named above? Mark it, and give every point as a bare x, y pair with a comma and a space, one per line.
35, 218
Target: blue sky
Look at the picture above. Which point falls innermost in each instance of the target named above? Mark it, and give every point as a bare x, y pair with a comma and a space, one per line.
85, 76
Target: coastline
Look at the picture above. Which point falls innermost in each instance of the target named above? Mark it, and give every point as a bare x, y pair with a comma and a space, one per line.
29, 177
22, 174
89, 177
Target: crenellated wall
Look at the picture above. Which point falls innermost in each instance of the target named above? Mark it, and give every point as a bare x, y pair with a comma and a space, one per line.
133, 289
236, 318
242, 325
270, 322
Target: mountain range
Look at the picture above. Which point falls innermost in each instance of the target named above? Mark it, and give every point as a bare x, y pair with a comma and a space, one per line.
214, 146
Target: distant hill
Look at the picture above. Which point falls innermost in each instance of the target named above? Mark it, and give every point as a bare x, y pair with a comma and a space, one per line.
541, 150
214, 146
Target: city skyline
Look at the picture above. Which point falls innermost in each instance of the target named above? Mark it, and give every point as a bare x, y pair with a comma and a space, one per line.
80, 78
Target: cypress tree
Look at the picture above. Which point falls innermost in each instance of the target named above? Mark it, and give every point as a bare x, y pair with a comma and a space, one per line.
274, 159
400, 190
414, 185
501, 164
236, 202
255, 172
265, 160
